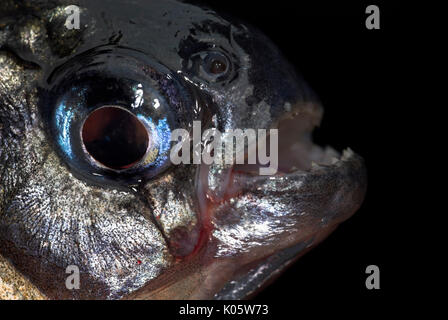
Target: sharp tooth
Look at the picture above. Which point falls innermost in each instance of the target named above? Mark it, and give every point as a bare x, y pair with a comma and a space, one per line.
331, 152
314, 165
348, 153
334, 160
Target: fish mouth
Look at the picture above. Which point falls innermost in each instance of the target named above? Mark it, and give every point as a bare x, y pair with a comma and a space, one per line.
296, 149
315, 189
299, 157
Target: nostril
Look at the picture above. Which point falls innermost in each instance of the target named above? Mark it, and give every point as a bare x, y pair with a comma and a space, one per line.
115, 137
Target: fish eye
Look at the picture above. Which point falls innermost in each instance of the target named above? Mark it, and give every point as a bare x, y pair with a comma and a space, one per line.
114, 137
212, 66
216, 63
112, 116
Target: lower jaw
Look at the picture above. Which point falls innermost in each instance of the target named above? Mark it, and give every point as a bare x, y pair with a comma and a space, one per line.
252, 278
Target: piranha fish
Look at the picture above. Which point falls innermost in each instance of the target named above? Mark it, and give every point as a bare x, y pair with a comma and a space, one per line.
86, 181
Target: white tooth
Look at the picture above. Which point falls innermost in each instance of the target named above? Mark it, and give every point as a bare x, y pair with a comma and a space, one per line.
334, 160
348, 153
331, 152
314, 165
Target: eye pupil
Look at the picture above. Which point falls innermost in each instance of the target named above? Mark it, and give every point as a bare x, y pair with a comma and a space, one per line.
218, 66
115, 137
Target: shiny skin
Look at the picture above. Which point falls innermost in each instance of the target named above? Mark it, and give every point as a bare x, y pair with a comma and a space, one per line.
191, 231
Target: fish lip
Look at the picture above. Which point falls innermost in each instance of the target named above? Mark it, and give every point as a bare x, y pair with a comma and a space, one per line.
346, 178
247, 285
347, 156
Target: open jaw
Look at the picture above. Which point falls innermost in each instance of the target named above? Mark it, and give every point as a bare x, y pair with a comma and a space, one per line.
316, 189
261, 224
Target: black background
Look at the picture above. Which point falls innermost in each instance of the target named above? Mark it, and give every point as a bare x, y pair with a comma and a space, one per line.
356, 74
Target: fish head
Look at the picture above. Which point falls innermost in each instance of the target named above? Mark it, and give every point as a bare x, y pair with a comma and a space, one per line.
87, 179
